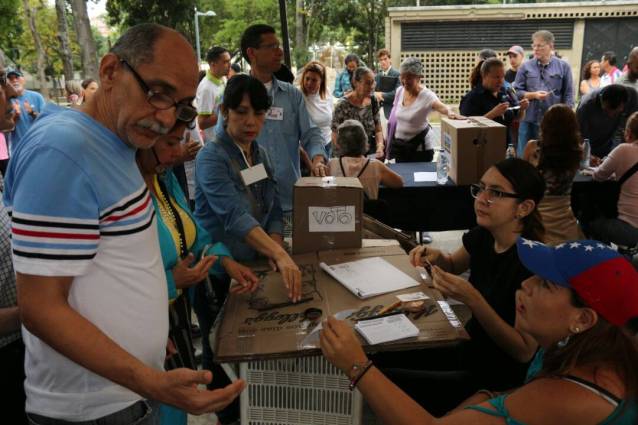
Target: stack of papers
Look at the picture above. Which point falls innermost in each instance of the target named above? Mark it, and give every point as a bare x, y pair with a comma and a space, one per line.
386, 329
369, 277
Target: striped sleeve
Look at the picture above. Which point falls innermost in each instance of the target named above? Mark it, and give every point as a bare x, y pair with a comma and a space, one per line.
54, 215
130, 215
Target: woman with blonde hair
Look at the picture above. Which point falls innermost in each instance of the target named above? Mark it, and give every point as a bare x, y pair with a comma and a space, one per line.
318, 100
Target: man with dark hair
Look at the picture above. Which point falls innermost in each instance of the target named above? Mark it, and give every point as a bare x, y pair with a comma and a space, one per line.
343, 84
630, 78
387, 82
516, 56
287, 122
544, 81
602, 114
608, 66
91, 284
28, 104
211, 89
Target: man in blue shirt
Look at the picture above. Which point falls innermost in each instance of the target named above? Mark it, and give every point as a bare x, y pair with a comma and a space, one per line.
27, 105
287, 122
343, 84
544, 80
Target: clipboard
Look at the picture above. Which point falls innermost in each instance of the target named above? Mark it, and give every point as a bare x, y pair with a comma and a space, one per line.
387, 84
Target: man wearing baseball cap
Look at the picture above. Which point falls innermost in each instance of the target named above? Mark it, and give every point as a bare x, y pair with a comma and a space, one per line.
517, 56
27, 105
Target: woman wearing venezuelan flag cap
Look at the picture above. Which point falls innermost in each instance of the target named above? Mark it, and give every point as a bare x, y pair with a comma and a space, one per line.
581, 306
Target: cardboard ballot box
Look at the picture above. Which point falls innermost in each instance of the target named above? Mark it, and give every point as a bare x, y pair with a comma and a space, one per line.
474, 145
327, 214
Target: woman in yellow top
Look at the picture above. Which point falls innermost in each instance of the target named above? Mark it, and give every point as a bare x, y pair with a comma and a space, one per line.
187, 253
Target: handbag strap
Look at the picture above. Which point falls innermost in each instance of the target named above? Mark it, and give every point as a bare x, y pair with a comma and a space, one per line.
628, 174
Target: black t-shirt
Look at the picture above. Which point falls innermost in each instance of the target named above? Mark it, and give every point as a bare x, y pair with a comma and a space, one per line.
510, 76
496, 277
478, 102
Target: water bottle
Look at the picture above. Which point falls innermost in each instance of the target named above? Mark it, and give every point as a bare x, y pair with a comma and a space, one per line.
584, 163
510, 152
442, 167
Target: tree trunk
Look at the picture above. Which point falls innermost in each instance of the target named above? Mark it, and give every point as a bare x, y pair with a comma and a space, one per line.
371, 33
300, 39
85, 38
40, 55
63, 38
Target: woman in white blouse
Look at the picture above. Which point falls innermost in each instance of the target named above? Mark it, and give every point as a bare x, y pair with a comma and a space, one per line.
318, 100
408, 124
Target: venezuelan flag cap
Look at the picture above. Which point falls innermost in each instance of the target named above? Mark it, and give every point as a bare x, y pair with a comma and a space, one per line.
601, 277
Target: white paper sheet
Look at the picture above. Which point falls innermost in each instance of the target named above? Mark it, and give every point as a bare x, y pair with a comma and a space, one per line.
413, 296
369, 277
331, 219
425, 176
386, 329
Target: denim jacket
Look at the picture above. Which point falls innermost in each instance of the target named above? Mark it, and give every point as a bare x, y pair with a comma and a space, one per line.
222, 203
342, 84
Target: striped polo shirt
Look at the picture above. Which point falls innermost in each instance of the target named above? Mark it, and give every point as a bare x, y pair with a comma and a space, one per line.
80, 208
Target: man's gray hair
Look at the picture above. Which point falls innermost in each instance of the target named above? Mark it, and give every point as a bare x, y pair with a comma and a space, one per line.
136, 45
544, 35
411, 66
352, 139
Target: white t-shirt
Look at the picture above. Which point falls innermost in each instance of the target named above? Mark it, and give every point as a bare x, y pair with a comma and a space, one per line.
208, 98
610, 78
80, 208
413, 119
320, 111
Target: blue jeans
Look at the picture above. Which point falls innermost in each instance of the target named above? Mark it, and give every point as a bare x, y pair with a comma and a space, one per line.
526, 131
144, 412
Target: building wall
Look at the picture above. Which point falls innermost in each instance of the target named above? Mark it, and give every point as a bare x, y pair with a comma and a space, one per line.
448, 61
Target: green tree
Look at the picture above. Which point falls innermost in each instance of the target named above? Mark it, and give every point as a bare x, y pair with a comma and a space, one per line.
176, 14
12, 28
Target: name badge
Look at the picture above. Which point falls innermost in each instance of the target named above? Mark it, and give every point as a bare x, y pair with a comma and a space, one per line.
254, 174
275, 113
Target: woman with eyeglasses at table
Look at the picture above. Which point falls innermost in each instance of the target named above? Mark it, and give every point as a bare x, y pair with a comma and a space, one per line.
188, 255
505, 204
581, 306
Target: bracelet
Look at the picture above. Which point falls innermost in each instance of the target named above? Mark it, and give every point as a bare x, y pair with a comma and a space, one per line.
363, 368
488, 393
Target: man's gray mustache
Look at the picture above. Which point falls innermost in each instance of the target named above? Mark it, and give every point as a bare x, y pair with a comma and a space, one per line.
153, 126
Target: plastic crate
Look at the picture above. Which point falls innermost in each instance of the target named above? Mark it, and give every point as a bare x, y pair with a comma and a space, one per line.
301, 391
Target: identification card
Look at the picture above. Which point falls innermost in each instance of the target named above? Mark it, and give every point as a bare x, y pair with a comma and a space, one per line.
275, 113
254, 174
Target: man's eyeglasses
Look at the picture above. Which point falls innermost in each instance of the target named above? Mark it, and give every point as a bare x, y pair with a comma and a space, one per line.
3, 79
272, 46
184, 110
492, 194
539, 46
